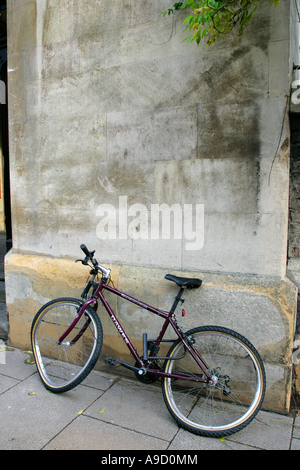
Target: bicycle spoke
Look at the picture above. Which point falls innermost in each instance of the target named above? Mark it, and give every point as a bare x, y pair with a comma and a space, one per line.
234, 392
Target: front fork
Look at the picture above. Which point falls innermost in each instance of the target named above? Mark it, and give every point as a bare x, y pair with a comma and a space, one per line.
80, 310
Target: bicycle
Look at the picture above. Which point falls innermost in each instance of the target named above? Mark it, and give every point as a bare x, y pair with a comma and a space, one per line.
213, 379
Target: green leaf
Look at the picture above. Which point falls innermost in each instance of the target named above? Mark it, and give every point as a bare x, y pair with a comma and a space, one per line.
211, 19
248, 17
101, 411
187, 19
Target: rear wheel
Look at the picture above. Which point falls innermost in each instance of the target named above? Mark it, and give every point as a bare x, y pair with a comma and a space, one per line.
234, 393
63, 366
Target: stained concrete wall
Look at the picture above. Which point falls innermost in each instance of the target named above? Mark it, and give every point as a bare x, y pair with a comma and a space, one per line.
106, 101
104, 104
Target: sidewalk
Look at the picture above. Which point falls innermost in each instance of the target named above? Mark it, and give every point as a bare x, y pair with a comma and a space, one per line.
110, 412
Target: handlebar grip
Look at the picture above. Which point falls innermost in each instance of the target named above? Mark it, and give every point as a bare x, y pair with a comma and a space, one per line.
85, 250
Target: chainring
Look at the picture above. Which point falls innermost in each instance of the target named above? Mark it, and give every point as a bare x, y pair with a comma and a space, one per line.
148, 378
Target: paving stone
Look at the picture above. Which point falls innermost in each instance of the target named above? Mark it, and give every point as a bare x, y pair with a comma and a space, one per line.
31, 421
86, 433
270, 431
135, 406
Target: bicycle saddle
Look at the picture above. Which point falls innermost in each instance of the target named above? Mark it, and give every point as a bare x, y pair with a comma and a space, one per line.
187, 282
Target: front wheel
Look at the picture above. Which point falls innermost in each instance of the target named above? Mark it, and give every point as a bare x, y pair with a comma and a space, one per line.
62, 365
234, 394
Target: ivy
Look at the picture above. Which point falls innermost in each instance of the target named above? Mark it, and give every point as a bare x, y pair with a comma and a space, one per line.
210, 19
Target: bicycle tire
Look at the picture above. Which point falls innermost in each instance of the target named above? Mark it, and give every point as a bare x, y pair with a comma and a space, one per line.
62, 367
236, 393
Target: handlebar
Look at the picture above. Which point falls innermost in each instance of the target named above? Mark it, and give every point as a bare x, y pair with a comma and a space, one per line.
85, 250
90, 257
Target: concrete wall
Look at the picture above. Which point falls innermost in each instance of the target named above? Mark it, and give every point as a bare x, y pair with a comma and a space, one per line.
106, 102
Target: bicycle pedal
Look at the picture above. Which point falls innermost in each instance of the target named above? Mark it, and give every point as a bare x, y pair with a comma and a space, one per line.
112, 362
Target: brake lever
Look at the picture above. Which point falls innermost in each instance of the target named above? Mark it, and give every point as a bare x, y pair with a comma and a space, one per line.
84, 261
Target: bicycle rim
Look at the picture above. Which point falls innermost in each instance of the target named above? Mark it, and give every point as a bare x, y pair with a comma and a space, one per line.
234, 395
63, 366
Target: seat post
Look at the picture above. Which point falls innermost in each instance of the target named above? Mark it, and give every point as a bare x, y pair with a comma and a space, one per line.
177, 299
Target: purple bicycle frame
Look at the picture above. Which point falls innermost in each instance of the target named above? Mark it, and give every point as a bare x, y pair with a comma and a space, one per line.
169, 320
